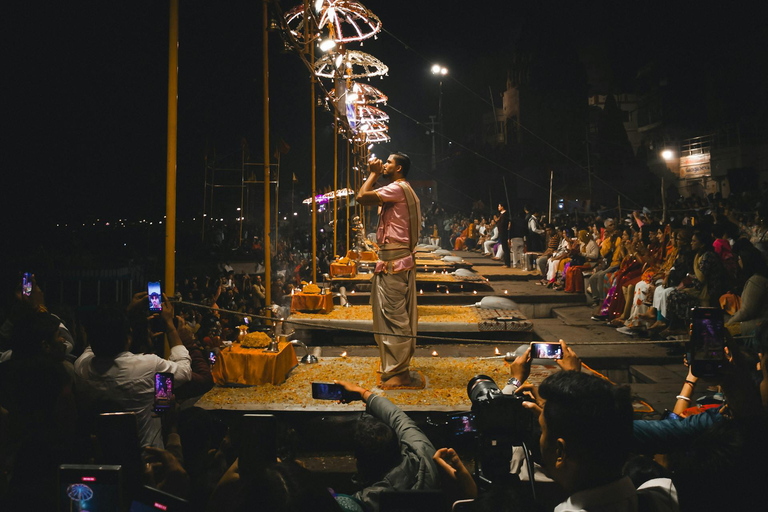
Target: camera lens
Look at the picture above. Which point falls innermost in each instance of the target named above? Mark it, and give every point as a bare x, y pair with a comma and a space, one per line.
481, 388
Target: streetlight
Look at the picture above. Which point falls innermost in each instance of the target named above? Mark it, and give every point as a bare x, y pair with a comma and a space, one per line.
439, 71
667, 155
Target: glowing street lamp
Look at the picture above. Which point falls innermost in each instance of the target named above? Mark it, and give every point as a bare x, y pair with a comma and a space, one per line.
439, 71
667, 155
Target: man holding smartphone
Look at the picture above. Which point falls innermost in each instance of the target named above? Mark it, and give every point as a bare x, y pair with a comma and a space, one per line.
107, 370
393, 292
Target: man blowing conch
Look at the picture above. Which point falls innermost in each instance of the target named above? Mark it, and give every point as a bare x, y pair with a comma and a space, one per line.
393, 291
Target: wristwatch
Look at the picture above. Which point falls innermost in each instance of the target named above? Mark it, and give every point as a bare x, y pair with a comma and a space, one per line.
514, 382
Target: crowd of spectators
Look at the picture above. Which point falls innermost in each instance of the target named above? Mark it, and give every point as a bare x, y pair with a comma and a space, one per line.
644, 273
64, 381
61, 387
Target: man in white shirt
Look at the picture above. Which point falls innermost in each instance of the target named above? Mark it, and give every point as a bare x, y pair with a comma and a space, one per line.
108, 371
586, 431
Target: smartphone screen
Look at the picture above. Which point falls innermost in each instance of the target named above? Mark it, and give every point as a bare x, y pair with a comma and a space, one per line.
707, 345
163, 391
90, 487
258, 442
212, 357
327, 391
155, 296
463, 423
26, 284
546, 351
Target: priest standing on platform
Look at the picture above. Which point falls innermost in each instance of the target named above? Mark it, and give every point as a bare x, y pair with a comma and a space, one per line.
393, 291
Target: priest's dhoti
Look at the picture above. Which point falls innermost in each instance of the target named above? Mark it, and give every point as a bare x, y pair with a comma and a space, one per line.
393, 300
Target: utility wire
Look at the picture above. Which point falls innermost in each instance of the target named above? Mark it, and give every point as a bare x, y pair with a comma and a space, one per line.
520, 125
483, 157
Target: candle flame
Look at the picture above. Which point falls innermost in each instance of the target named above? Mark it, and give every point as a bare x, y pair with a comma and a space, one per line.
474, 292
505, 292
496, 351
434, 353
344, 354
421, 291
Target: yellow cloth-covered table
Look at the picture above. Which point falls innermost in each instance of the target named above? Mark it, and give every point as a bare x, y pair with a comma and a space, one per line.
253, 366
342, 270
315, 302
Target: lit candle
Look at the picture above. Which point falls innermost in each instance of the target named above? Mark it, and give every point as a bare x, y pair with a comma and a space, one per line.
474, 292
421, 292
505, 292
434, 353
447, 291
434, 271
496, 351
352, 292
344, 354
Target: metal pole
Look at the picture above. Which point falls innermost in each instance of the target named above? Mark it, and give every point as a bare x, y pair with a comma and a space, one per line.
589, 169
314, 168
170, 193
335, 178
267, 242
506, 194
551, 182
277, 201
440, 116
432, 130
242, 194
348, 167
205, 193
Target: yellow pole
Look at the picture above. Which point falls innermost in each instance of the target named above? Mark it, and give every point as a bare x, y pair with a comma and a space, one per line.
348, 167
314, 185
335, 177
267, 238
170, 183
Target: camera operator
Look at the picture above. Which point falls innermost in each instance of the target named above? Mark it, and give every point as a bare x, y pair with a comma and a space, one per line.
392, 453
586, 431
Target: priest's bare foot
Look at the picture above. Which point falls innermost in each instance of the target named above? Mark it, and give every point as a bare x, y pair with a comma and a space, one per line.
396, 381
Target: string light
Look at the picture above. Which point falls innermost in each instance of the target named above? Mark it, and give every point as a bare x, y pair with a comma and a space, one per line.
347, 20
359, 65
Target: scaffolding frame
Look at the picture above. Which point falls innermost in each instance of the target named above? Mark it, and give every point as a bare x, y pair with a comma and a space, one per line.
215, 167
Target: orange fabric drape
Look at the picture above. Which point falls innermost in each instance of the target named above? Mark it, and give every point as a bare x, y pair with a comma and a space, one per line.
253, 366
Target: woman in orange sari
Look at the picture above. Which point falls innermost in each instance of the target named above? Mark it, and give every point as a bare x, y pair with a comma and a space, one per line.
663, 259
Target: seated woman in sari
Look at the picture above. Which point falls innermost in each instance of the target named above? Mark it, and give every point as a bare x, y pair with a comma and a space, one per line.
703, 288
620, 252
629, 272
663, 253
590, 254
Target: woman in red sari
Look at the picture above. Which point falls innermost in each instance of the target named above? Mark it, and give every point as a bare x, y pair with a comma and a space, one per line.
629, 273
574, 275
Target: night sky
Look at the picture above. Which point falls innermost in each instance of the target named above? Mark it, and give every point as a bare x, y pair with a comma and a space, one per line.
86, 86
